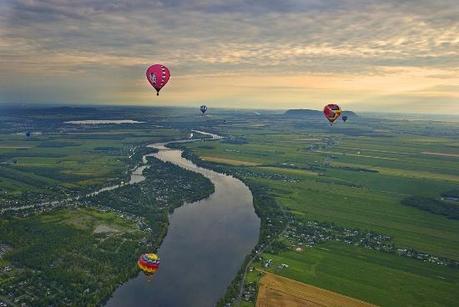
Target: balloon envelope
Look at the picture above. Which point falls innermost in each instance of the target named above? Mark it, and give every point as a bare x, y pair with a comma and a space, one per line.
203, 109
148, 263
158, 75
332, 112
344, 118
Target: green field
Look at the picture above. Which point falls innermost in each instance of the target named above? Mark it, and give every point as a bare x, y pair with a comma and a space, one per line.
375, 277
55, 164
356, 181
351, 196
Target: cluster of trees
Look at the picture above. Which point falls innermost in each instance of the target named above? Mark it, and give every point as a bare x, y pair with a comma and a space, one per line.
165, 188
434, 206
54, 262
453, 194
138, 153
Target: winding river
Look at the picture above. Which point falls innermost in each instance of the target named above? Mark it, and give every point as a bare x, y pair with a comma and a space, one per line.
205, 245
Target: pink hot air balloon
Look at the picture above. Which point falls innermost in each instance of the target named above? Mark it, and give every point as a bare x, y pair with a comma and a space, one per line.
158, 75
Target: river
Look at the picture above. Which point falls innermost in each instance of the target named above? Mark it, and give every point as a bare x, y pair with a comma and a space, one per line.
205, 245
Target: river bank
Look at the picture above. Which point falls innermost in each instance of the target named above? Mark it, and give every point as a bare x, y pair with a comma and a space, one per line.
206, 243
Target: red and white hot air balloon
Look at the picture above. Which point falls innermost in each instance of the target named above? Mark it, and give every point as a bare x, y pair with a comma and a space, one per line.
332, 112
158, 75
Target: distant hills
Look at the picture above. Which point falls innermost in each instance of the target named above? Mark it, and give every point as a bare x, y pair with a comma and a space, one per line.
312, 113
48, 110
65, 110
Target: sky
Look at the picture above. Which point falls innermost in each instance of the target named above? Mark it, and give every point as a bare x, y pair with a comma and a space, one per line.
366, 55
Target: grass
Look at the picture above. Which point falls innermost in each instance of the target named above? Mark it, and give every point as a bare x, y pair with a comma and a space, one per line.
374, 277
347, 196
87, 219
227, 161
359, 181
381, 212
70, 160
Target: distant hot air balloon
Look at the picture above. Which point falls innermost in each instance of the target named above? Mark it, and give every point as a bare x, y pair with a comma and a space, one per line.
332, 112
28, 134
158, 75
149, 264
203, 109
344, 118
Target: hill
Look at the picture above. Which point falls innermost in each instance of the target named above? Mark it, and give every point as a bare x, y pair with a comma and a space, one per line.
302, 112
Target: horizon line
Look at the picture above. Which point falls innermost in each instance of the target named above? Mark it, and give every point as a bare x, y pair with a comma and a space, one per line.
82, 105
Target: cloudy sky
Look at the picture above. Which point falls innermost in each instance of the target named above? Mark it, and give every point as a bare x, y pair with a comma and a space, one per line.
367, 55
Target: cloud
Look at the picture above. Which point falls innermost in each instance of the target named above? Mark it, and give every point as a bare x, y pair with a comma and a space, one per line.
117, 39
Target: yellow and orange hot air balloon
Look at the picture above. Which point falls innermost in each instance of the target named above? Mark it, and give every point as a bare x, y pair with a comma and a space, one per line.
149, 264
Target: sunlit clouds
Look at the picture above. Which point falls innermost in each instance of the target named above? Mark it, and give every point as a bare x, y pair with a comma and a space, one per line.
403, 55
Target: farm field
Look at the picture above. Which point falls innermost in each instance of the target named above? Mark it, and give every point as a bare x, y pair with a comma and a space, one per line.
371, 276
70, 160
357, 194
280, 291
358, 182
58, 160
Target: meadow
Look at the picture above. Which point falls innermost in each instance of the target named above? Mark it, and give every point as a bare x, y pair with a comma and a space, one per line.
58, 159
356, 176
375, 277
358, 194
